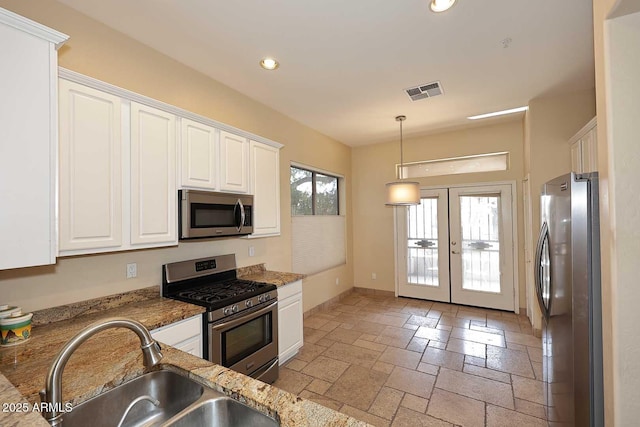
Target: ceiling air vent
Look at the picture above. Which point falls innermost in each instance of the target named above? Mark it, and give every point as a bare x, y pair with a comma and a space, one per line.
428, 90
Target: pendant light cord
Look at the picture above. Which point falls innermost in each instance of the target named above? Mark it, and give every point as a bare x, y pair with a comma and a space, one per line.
401, 152
401, 119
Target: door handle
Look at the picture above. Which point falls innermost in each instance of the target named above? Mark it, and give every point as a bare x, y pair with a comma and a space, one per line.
455, 252
538, 272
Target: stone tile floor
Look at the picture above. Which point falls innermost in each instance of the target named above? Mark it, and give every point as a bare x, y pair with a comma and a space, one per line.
404, 362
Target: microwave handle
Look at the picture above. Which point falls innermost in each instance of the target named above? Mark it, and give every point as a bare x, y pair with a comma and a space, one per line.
242, 215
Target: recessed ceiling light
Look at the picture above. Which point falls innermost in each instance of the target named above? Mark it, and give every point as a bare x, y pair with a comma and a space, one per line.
441, 5
498, 113
269, 64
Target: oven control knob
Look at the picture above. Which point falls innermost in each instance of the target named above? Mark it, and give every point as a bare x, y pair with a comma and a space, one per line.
234, 308
226, 311
267, 297
260, 298
249, 303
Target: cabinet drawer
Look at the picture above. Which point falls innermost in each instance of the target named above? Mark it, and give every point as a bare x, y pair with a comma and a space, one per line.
179, 332
289, 289
192, 346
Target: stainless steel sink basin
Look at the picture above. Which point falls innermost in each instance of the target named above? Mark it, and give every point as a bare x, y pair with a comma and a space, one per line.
173, 391
222, 412
182, 402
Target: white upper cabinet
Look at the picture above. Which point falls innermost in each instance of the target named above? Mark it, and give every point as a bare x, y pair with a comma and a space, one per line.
234, 163
584, 149
265, 185
153, 176
199, 155
29, 147
120, 169
90, 168
118, 163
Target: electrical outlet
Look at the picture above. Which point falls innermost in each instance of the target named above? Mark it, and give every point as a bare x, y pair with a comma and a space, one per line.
252, 251
337, 280
374, 276
132, 270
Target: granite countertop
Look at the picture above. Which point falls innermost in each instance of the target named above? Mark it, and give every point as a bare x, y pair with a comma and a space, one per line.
113, 357
259, 273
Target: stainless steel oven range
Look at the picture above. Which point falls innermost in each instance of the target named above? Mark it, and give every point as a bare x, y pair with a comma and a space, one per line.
241, 321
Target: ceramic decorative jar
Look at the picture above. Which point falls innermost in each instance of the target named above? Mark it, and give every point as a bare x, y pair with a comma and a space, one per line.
15, 327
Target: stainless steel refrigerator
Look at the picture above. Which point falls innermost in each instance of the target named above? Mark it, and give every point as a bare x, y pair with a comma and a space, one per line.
567, 281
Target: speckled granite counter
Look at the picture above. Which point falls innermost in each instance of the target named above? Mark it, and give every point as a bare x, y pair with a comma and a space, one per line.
259, 273
113, 357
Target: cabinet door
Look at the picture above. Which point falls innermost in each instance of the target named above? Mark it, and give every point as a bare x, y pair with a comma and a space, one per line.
199, 155
234, 163
153, 176
290, 330
590, 151
265, 185
576, 157
185, 335
28, 145
90, 168
192, 346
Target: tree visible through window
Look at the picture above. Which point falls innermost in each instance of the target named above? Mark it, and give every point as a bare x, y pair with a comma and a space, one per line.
313, 193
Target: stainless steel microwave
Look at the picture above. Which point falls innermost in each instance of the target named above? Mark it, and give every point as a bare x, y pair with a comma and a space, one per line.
206, 214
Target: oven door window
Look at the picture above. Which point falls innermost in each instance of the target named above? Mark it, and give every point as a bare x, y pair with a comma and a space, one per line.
246, 339
206, 215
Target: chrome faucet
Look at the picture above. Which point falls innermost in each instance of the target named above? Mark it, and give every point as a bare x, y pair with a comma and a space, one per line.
52, 393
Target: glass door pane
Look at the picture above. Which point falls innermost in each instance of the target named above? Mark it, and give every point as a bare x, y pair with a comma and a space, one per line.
423, 247
480, 244
422, 241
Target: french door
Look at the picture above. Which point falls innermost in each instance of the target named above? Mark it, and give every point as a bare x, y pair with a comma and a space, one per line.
457, 246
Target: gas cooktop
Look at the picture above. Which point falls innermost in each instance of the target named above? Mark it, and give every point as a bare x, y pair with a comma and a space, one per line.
213, 283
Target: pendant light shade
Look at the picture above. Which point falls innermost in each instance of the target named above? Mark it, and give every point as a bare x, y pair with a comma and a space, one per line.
401, 192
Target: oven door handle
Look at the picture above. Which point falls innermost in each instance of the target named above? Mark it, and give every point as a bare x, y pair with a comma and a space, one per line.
243, 317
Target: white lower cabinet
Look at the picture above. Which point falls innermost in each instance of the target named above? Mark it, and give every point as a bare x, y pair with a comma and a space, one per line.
185, 335
290, 337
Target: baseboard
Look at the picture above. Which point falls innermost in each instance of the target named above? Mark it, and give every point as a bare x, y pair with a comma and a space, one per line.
369, 291
327, 304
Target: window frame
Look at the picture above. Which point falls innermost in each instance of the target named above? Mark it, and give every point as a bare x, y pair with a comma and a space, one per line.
314, 172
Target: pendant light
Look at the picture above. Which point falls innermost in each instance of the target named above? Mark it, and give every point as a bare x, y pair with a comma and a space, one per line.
400, 192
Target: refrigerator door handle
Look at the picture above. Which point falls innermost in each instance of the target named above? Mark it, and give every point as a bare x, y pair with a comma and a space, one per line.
542, 273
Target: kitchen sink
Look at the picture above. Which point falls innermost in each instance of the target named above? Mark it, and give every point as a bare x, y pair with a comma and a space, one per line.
174, 392
164, 398
222, 412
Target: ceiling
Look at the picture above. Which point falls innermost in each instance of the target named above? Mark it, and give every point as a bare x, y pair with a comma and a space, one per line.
345, 64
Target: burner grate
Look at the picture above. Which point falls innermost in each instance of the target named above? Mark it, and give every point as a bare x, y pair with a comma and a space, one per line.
220, 291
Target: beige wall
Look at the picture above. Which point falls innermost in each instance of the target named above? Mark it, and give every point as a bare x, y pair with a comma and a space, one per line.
617, 41
102, 53
373, 166
600, 9
551, 122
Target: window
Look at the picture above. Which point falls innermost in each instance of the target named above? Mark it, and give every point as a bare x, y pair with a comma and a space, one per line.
313, 193
318, 231
458, 165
